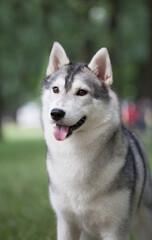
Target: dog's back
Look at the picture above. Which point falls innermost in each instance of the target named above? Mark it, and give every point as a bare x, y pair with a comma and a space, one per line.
100, 183
142, 187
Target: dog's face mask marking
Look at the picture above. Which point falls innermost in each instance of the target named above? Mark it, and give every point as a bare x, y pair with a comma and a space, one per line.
69, 105
73, 90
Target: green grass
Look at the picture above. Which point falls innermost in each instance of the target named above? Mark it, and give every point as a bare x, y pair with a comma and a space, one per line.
25, 212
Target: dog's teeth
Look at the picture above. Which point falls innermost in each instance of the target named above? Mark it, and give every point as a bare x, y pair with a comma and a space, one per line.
54, 125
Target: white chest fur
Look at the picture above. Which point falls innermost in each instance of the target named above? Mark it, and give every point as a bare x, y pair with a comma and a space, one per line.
81, 177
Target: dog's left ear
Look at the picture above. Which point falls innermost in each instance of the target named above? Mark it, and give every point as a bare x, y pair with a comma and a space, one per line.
58, 59
101, 66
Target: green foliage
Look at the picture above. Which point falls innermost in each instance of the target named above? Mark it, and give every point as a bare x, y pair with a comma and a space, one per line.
28, 29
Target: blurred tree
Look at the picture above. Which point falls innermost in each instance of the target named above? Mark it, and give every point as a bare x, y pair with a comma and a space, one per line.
23, 52
133, 38
28, 29
146, 70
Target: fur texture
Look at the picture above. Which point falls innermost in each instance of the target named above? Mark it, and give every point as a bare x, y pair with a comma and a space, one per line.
99, 178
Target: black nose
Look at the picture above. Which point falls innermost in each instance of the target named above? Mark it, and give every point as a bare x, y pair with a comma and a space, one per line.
57, 114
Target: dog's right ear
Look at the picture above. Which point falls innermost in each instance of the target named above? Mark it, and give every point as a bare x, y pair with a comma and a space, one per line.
58, 58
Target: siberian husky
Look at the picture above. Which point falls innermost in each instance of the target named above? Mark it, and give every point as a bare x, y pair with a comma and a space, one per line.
99, 178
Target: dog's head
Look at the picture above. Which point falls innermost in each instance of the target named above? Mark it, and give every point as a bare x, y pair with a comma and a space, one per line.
76, 94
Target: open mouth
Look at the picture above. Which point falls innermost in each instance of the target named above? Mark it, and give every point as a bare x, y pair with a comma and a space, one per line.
61, 132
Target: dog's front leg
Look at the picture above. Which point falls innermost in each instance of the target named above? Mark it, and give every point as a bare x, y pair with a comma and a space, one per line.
85, 236
113, 236
67, 230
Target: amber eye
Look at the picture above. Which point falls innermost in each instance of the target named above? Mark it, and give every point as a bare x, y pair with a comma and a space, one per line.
81, 92
55, 89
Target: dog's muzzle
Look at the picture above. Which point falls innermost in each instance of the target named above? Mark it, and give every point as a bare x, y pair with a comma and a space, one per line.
61, 131
78, 124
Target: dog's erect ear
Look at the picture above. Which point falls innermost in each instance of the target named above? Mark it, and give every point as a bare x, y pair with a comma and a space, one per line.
101, 66
58, 58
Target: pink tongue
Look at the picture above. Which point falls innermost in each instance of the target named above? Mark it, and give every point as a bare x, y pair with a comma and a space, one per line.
60, 132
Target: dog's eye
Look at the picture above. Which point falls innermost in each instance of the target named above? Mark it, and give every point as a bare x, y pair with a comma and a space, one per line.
55, 89
81, 92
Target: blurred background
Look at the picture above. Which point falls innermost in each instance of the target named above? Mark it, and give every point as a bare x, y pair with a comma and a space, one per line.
28, 29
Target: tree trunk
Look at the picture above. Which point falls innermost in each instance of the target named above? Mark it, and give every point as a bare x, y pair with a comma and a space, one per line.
148, 80
146, 70
1, 114
0, 127
114, 50
1, 111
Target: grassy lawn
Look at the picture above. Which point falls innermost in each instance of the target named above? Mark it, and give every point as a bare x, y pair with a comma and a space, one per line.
25, 212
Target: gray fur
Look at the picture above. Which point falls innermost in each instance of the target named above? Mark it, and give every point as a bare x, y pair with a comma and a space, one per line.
50, 79
73, 69
99, 175
99, 90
